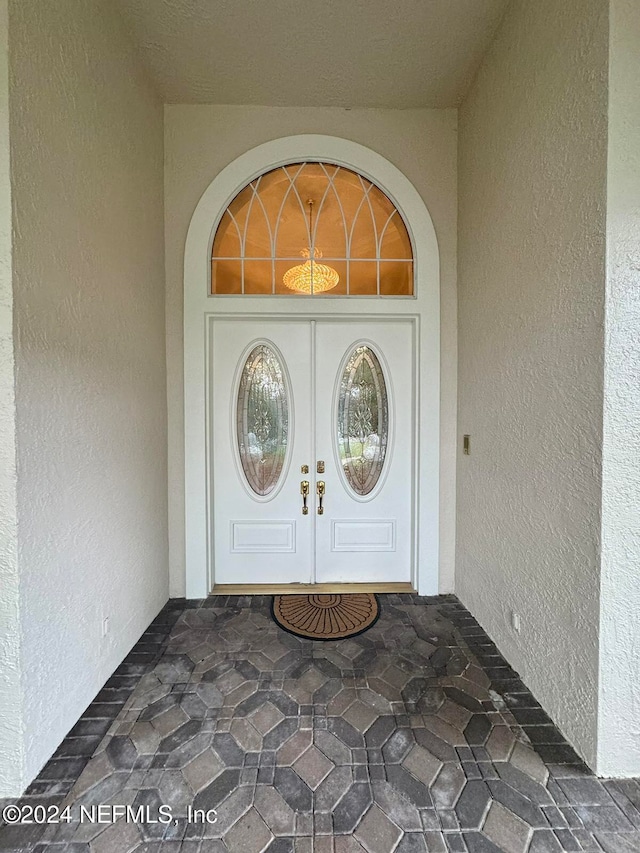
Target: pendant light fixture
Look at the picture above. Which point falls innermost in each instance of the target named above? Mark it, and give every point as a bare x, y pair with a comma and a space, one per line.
311, 277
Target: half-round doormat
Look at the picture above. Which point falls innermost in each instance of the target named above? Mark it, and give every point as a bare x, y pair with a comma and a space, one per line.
326, 616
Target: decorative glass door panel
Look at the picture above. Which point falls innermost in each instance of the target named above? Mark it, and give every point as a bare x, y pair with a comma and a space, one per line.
363, 420
312, 474
262, 419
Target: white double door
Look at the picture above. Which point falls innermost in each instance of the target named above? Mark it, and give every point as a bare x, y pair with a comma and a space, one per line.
318, 406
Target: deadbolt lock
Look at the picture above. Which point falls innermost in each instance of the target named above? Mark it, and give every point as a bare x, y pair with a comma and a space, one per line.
320, 466
304, 469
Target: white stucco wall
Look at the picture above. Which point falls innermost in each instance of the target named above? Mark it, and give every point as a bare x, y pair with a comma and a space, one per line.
532, 174
619, 709
87, 168
201, 140
11, 739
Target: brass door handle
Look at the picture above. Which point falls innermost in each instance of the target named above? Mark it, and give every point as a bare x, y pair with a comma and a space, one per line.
320, 491
304, 491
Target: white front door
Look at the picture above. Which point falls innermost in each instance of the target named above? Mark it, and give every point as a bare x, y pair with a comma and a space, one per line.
335, 398
364, 435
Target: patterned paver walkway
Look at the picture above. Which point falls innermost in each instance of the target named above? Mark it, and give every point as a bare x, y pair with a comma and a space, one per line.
415, 736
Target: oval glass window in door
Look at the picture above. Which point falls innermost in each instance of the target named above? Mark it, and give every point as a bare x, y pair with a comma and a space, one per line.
262, 420
363, 420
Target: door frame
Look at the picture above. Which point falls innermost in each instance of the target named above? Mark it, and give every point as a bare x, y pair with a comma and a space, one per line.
200, 307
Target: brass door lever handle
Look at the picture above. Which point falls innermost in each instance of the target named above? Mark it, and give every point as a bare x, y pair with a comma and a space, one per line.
304, 491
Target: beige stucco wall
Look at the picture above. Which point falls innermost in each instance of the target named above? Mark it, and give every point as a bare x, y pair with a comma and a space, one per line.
532, 173
11, 739
87, 170
201, 140
619, 709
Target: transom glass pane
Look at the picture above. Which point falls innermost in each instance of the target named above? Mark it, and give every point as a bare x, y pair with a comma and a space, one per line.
363, 420
262, 420
312, 228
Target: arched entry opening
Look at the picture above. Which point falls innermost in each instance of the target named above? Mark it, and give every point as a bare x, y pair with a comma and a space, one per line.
316, 374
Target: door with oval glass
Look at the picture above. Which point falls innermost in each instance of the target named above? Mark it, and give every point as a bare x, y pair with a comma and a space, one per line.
312, 437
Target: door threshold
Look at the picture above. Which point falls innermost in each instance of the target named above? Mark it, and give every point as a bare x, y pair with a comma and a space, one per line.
318, 588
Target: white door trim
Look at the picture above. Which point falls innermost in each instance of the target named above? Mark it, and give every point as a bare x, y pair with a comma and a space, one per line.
199, 306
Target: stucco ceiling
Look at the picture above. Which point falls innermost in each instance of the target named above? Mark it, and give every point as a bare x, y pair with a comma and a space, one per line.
349, 53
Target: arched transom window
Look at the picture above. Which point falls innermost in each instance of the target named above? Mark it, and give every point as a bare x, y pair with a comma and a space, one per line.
311, 229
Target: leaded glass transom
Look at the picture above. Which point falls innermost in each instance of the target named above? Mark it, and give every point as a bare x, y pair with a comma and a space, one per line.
262, 420
352, 227
363, 420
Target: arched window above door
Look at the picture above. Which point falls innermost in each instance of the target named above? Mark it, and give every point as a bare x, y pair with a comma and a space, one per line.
309, 229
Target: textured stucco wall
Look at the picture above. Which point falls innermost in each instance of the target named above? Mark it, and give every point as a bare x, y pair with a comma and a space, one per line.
201, 140
619, 710
11, 739
87, 169
532, 175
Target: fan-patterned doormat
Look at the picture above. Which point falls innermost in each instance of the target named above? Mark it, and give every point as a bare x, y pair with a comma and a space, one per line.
326, 616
